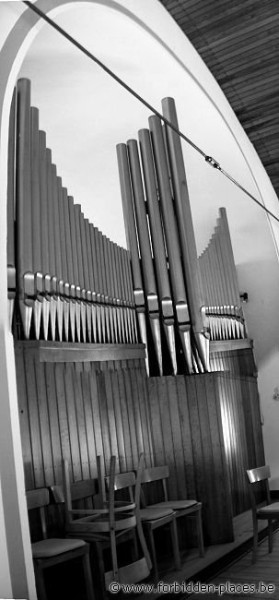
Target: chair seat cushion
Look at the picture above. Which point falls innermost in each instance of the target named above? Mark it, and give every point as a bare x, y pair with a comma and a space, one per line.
150, 513
55, 546
269, 509
176, 504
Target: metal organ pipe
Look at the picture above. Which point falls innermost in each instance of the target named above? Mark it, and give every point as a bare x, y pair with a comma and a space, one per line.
68, 274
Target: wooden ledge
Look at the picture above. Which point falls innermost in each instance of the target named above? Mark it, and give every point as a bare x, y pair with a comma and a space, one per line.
71, 352
229, 345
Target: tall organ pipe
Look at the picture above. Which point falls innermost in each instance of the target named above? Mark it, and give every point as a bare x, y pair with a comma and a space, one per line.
158, 244
145, 249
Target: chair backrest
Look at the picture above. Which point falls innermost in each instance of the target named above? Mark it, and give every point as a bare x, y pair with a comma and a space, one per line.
85, 489
156, 474
123, 481
259, 475
82, 490
39, 499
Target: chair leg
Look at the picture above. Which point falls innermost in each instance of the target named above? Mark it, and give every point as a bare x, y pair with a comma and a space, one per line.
175, 546
200, 533
135, 546
40, 582
143, 543
88, 576
114, 555
255, 540
153, 552
101, 566
270, 536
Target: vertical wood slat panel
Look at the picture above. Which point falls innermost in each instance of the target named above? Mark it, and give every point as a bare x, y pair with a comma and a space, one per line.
34, 423
157, 436
149, 454
141, 387
167, 432
256, 421
24, 420
199, 475
80, 410
120, 417
184, 419
118, 420
111, 422
179, 468
130, 412
71, 411
90, 434
209, 475
243, 455
72, 422
223, 507
103, 411
125, 418
63, 422
238, 427
81, 426
55, 432
136, 402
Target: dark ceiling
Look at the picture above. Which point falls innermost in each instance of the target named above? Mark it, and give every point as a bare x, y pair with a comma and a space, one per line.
239, 42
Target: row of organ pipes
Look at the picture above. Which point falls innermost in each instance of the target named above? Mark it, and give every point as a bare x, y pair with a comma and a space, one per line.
68, 282
188, 300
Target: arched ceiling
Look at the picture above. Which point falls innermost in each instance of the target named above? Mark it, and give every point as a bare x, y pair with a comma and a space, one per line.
239, 42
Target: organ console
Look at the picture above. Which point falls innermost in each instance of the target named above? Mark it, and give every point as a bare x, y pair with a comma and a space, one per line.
70, 283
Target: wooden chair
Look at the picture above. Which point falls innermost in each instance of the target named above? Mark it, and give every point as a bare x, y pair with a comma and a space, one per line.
151, 518
104, 527
52, 551
182, 508
270, 511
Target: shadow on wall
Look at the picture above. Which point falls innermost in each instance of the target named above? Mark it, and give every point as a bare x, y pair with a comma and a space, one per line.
262, 304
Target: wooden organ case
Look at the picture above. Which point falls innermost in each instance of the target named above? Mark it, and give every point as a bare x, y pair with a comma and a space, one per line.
128, 351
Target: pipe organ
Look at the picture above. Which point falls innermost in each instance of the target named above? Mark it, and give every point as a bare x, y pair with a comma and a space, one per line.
218, 273
83, 389
182, 300
69, 282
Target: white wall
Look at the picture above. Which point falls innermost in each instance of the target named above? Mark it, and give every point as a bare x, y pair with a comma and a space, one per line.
85, 115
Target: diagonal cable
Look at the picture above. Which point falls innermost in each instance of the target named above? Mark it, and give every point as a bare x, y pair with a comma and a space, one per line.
152, 109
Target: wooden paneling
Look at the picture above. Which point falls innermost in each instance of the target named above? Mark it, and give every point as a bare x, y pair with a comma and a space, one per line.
187, 435
225, 356
77, 411
239, 43
66, 352
205, 427
208, 428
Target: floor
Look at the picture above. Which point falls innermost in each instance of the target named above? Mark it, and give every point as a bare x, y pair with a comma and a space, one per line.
248, 580
216, 558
